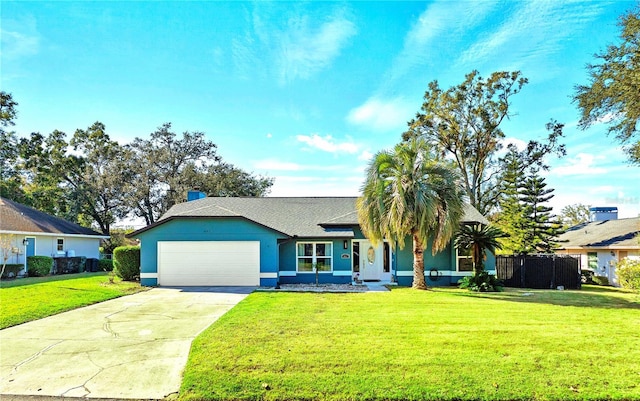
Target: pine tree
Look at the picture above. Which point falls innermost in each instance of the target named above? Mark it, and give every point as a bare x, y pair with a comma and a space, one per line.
542, 226
511, 217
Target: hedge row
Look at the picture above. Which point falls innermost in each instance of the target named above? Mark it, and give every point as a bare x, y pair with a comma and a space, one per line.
39, 266
126, 262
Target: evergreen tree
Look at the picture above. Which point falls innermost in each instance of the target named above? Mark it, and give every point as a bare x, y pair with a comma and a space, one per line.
511, 218
542, 226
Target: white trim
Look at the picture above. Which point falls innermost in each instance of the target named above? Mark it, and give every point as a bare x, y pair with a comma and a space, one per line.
404, 273
31, 233
148, 275
465, 274
342, 273
268, 275
287, 273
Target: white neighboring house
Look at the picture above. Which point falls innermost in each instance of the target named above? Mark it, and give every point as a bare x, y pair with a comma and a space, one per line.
37, 233
601, 243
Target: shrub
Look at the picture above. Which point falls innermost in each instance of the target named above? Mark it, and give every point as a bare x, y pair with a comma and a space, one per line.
11, 270
39, 266
600, 280
628, 271
126, 262
105, 265
482, 282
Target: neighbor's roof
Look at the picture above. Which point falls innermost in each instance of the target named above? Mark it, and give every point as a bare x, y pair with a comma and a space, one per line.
18, 218
292, 216
620, 233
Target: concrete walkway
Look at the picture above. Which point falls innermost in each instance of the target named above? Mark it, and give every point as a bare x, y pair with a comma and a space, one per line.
132, 347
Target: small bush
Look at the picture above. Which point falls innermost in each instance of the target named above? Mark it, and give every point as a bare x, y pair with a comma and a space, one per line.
628, 271
11, 270
126, 262
600, 280
39, 266
105, 265
483, 282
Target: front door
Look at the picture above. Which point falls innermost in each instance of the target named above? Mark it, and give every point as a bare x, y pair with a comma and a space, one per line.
30, 246
371, 261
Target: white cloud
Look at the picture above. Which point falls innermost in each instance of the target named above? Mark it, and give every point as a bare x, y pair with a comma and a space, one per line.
19, 39
582, 164
290, 44
519, 143
305, 48
532, 32
327, 144
365, 155
441, 22
382, 115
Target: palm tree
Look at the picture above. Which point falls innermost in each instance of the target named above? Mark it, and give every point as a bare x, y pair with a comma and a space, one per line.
478, 237
409, 192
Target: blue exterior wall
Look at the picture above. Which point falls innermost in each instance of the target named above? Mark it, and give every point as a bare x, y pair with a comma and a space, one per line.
341, 266
441, 262
209, 230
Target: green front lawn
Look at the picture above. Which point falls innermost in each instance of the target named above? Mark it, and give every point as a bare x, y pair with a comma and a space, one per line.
23, 300
410, 345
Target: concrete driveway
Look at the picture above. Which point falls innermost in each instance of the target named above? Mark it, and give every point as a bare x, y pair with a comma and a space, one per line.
131, 347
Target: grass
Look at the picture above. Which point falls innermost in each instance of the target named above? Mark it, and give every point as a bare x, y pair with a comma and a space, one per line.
28, 299
411, 345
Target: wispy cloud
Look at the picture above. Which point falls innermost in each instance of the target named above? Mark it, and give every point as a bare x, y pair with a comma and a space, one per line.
328, 144
304, 45
582, 164
440, 24
382, 114
529, 33
19, 39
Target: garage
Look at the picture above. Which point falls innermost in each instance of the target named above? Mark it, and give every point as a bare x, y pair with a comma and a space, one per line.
208, 263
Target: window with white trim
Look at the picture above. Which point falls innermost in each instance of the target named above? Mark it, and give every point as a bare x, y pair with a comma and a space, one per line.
60, 245
464, 260
314, 254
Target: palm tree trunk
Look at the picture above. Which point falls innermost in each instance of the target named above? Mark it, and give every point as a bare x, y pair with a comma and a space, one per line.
419, 282
478, 265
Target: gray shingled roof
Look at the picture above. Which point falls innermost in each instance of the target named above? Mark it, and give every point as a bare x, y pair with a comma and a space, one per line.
16, 217
602, 234
294, 216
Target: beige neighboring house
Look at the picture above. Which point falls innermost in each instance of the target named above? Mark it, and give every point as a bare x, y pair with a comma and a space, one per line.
600, 244
33, 232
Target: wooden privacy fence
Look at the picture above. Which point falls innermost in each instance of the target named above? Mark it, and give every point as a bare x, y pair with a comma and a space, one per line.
539, 271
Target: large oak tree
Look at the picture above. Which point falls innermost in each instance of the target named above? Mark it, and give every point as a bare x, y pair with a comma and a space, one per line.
612, 95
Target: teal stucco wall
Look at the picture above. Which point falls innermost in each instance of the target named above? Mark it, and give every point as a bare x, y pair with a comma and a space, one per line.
341, 265
208, 230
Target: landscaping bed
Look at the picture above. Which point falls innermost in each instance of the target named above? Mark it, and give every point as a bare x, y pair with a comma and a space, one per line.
408, 345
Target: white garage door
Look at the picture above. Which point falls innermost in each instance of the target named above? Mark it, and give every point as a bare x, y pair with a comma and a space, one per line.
208, 263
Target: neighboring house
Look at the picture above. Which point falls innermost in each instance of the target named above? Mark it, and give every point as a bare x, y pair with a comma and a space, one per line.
34, 232
600, 244
269, 241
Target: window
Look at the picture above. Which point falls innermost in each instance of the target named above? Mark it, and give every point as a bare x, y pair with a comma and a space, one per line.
592, 260
60, 246
356, 256
465, 263
312, 254
386, 265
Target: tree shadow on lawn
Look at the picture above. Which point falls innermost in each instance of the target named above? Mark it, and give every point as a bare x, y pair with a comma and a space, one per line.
589, 297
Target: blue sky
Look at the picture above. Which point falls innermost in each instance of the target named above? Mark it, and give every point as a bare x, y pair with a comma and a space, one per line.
306, 92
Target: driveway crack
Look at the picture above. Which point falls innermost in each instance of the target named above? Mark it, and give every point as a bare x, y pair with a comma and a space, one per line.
35, 356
